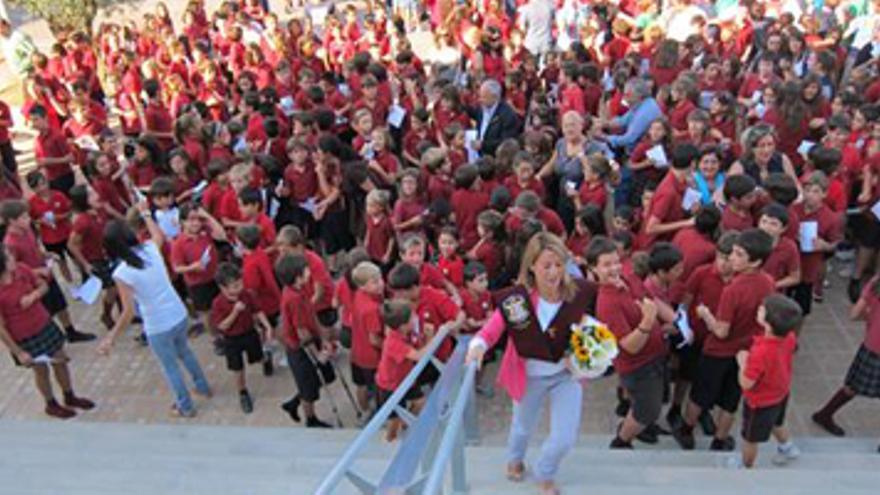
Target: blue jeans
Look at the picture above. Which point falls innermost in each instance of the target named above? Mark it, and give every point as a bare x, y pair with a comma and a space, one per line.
169, 348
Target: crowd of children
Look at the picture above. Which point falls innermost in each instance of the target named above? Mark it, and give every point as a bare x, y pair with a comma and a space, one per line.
320, 184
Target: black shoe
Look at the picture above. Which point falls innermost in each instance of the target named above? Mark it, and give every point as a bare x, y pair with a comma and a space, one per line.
649, 435
828, 424
142, 339
219, 346
292, 408
77, 336
619, 444
673, 417
684, 436
707, 423
268, 365
247, 404
622, 408
725, 445
314, 422
854, 290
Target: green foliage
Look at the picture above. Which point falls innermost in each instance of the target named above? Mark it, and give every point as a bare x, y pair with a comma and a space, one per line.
64, 16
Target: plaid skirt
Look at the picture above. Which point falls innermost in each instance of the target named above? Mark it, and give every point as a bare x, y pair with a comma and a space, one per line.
49, 341
863, 376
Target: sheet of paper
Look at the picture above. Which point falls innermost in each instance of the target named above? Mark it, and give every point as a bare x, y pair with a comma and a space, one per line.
757, 95
876, 210
274, 206
691, 197
396, 114
469, 137
344, 89
169, 222
658, 155
807, 236
287, 106
87, 143
205, 259
706, 99
683, 325
310, 205
805, 147
89, 291
199, 187
760, 110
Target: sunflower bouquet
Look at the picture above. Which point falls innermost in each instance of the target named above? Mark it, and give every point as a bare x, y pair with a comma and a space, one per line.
593, 348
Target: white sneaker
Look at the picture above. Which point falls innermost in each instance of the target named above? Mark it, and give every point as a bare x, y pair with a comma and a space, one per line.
734, 462
846, 271
784, 455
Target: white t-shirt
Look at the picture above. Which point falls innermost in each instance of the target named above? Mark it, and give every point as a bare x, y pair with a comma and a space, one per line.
546, 311
160, 306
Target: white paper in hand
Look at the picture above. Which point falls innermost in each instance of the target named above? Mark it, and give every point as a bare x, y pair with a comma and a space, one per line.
807, 236
760, 110
87, 142
89, 291
658, 155
310, 205
396, 114
684, 326
691, 197
469, 137
876, 210
205, 259
805, 147
706, 99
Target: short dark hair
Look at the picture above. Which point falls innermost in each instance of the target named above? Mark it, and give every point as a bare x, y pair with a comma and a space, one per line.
290, 268
781, 187
598, 246
684, 155
250, 196
726, 241
227, 273
12, 209
404, 276
782, 314
249, 235
825, 159
738, 186
34, 178
625, 238
466, 175
79, 197
591, 216
756, 243
396, 313
161, 187
473, 270
151, 88
707, 220
663, 257
777, 211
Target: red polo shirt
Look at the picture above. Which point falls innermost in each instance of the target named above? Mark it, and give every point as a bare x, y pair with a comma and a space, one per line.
617, 308
695, 248
59, 205
21, 323
25, 248
666, 203
593, 193
435, 308
379, 233
783, 260
52, 144
188, 249
732, 220
738, 306
452, 269
222, 307
769, 365
829, 229
393, 365
705, 285
259, 279
319, 276
476, 307
297, 313
366, 320
467, 205
159, 119
90, 228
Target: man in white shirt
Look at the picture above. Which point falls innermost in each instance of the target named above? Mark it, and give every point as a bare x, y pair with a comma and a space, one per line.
536, 20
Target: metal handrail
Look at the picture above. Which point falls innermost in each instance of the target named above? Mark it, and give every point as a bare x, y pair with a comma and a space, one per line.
452, 443
342, 467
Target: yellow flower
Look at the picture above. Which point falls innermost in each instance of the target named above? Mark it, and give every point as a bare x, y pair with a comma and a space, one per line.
603, 333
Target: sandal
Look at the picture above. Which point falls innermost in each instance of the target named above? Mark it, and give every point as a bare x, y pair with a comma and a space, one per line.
516, 472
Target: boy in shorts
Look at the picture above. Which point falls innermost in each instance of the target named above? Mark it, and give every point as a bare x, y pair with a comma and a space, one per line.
398, 358
366, 329
731, 329
765, 378
299, 331
234, 313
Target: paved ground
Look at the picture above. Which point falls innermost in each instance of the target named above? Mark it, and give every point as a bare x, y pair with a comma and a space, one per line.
128, 385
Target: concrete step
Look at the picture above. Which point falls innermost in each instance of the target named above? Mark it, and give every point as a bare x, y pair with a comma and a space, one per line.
79, 458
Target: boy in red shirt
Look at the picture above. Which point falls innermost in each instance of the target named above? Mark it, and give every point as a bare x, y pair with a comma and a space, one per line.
50, 210
86, 244
158, 121
366, 330
320, 286
379, 240
740, 192
250, 204
450, 263
467, 202
399, 354
478, 307
259, 280
814, 213
413, 252
784, 263
236, 314
52, 152
765, 378
731, 331
666, 214
194, 257
302, 338
22, 244
697, 243
28, 333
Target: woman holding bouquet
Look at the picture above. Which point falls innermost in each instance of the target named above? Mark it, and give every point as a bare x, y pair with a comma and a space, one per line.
536, 314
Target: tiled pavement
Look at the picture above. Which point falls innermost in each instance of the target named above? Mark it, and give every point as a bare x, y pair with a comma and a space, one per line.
128, 385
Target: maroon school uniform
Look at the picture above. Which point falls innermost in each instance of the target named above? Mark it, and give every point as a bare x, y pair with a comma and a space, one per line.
666, 204
738, 306
696, 249
477, 307
90, 228
188, 249
158, 119
302, 182
617, 307
829, 229
705, 285
259, 278
467, 205
393, 364
769, 365
783, 260
366, 323
406, 209
491, 255
736, 221
593, 193
21, 323
452, 269
516, 188
222, 307
52, 144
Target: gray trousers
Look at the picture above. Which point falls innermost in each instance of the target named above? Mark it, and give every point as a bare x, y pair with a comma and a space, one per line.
565, 396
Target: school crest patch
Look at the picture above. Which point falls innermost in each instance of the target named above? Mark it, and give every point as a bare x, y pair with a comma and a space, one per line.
515, 310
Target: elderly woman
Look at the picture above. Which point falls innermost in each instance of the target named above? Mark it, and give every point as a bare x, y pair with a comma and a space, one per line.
567, 162
537, 313
760, 157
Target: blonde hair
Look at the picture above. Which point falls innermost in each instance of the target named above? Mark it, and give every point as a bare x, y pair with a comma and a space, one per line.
240, 171
379, 197
364, 272
540, 242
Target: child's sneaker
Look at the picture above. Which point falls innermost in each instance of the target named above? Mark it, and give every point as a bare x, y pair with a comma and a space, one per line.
247, 404
786, 453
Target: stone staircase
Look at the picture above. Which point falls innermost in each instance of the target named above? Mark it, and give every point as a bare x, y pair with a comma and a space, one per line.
79, 458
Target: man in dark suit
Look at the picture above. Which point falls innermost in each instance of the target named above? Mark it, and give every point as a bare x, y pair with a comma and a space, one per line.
496, 121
